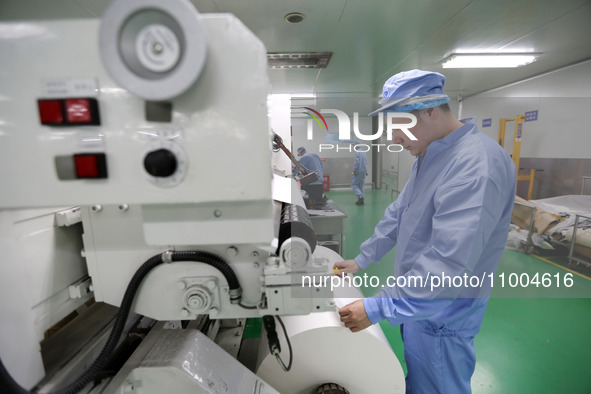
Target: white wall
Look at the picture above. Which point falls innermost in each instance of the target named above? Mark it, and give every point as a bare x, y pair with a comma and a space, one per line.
563, 101
399, 163
389, 161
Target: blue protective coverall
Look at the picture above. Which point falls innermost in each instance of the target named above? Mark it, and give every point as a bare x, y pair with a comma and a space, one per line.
312, 162
359, 172
451, 219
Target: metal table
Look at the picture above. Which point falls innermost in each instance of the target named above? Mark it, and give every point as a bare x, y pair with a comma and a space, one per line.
329, 226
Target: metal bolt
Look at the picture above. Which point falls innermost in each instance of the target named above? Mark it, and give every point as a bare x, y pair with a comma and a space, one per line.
196, 301
181, 285
217, 213
272, 262
211, 285
123, 207
157, 48
97, 208
185, 313
255, 254
256, 265
232, 251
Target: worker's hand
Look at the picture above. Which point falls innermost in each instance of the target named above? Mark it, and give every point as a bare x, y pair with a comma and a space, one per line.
354, 317
345, 267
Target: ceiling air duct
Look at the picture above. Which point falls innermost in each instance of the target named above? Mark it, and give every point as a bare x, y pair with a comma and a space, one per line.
298, 60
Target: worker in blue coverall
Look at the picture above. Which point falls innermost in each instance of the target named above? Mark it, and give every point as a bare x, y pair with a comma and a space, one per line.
312, 162
451, 220
359, 173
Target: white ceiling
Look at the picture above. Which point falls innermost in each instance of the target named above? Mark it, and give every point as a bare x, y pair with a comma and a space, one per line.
373, 39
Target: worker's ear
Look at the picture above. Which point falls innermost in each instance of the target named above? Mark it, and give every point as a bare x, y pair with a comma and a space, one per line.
424, 114
431, 114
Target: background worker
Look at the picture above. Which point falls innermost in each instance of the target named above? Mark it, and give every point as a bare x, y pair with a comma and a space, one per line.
312, 162
451, 218
359, 173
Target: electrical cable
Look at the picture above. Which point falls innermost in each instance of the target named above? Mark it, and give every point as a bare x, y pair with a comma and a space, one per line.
9, 385
286, 369
273, 339
112, 341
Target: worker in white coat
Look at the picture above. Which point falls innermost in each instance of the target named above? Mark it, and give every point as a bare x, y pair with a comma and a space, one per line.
451, 221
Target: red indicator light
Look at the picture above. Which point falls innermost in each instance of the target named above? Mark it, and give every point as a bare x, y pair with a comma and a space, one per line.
78, 111
51, 112
69, 112
90, 165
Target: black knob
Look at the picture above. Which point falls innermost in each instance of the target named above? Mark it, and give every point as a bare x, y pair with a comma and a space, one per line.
160, 163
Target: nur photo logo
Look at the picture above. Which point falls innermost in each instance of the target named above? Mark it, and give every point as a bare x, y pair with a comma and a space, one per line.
394, 121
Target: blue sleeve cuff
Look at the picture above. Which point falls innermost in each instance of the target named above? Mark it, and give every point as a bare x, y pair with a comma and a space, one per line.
362, 261
372, 310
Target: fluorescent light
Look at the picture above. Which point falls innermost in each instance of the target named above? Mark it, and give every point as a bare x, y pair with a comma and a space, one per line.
303, 95
488, 60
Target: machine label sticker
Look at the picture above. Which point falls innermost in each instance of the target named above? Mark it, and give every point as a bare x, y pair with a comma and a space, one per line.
70, 87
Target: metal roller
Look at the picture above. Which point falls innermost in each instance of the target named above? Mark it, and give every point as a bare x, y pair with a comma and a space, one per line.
295, 222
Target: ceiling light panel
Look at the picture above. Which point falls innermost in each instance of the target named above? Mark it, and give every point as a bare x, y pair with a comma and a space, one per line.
488, 60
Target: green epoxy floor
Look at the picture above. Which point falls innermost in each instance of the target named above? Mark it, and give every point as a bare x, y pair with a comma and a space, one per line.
533, 340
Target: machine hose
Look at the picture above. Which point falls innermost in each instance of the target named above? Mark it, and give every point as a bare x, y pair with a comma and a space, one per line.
10, 386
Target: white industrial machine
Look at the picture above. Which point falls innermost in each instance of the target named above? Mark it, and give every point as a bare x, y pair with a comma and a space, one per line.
135, 168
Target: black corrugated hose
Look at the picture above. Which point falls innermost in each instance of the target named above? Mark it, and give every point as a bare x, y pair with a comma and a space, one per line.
10, 386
